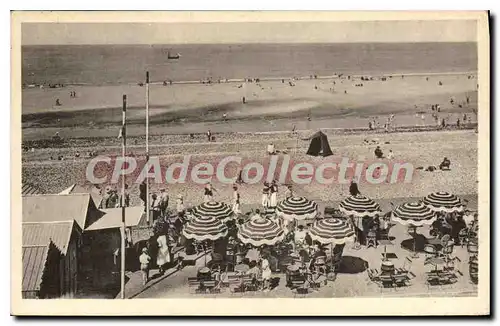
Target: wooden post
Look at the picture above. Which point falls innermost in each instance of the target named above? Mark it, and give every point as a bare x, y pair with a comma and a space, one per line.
122, 247
147, 147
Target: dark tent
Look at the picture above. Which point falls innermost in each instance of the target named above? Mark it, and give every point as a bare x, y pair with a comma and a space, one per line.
319, 145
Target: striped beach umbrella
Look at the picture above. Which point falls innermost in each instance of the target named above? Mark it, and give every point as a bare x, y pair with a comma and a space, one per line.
214, 209
332, 231
261, 231
413, 214
359, 206
443, 202
298, 208
204, 228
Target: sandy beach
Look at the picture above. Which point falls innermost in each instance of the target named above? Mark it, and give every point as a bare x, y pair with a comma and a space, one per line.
91, 122
419, 149
270, 106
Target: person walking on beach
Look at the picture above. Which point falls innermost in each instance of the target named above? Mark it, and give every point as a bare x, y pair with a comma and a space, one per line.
265, 195
266, 271
142, 193
111, 198
180, 206
163, 256
353, 189
209, 135
239, 176
144, 260
155, 207
236, 200
273, 201
126, 202
208, 192
163, 202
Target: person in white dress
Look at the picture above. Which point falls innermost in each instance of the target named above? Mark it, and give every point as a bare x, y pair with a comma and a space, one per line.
273, 197
163, 256
390, 156
265, 195
163, 202
266, 271
236, 201
144, 260
180, 206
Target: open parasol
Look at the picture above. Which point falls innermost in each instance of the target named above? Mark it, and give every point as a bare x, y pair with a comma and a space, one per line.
298, 208
443, 202
359, 206
218, 210
332, 231
261, 231
414, 215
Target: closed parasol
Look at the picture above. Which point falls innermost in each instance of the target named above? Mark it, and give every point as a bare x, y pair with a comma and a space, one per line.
443, 202
298, 208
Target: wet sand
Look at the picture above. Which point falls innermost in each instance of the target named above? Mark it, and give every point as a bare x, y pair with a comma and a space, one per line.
271, 106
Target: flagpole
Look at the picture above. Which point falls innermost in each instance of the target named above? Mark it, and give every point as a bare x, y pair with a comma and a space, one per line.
124, 142
147, 144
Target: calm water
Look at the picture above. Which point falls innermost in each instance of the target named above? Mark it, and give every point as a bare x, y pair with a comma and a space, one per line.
116, 64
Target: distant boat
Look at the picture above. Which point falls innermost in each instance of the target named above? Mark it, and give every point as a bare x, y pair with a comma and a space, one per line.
173, 57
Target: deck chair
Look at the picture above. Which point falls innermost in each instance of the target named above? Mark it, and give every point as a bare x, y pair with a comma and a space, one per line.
430, 252
400, 280
385, 281
405, 269
445, 239
320, 265
463, 237
373, 275
432, 280
195, 284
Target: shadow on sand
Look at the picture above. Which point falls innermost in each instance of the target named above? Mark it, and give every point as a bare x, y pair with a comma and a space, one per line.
274, 282
352, 265
420, 242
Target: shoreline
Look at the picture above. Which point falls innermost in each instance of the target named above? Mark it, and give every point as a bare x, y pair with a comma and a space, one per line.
242, 80
334, 131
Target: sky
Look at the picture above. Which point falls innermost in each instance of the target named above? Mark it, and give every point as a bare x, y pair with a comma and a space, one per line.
250, 32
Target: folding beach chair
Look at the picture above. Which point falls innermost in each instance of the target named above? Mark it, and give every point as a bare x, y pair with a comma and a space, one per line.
405, 269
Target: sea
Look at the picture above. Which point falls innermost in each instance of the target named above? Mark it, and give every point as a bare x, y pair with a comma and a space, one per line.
126, 64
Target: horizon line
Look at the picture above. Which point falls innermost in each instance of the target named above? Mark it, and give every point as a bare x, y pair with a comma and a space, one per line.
250, 43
